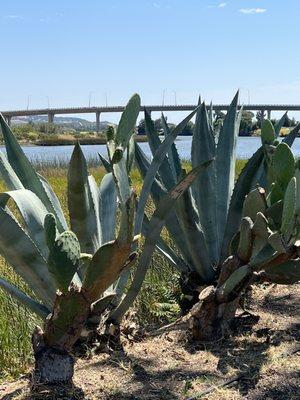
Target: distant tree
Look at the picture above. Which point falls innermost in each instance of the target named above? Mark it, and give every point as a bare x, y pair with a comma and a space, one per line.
259, 118
188, 130
141, 129
49, 129
246, 123
158, 125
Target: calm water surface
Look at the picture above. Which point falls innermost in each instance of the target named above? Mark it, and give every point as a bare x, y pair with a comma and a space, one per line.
246, 146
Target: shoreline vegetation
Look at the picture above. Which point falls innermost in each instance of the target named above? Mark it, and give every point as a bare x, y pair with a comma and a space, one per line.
84, 138
67, 140
45, 134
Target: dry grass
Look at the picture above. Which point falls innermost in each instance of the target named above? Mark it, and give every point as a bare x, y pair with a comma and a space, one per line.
169, 367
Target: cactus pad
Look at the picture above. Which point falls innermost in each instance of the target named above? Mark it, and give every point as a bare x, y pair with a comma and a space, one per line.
63, 260
50, 229
255, 202
283, 165
289, 209
267, 132
246, 239
117, 156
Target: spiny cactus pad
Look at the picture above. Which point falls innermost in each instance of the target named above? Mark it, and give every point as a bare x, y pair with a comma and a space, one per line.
283, 165
267, 132
255, 202
287, 273
276, 193
110, 133
261, 233
289, 209
246, 239
117, 156
50, 229
63, 260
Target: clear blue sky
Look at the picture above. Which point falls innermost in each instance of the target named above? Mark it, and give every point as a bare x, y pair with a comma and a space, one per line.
65, 49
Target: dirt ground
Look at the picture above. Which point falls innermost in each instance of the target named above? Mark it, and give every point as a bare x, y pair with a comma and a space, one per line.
263, 354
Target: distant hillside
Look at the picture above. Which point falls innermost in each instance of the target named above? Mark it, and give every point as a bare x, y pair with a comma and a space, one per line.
66, 122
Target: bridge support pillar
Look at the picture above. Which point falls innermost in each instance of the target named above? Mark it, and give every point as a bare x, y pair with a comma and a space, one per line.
50, 118
98, 121
269, 114
262, 116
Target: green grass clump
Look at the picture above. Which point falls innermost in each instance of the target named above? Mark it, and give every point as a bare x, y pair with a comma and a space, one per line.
157, 301
16, 327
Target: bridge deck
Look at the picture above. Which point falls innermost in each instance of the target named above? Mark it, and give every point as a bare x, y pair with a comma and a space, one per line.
187, 107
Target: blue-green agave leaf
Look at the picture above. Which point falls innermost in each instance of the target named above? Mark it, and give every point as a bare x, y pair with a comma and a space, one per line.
105, 163
173, 155
154, 141
156, 224
83, 203
23, 168
25, 258
62, 223
33, 213
225, 163
158, 191
204, 188
290, 138
108, 208
127, 122
195, 239
279, 124
8, 174
36, 307
165, 249
154, 167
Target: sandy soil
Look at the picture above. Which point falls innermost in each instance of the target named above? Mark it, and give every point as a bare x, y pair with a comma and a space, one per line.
263, 353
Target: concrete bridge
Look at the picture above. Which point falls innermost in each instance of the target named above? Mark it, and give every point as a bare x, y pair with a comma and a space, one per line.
51, 112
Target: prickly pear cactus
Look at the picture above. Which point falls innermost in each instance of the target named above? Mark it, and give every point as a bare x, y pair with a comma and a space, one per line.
64, 254
269, 232
266, 252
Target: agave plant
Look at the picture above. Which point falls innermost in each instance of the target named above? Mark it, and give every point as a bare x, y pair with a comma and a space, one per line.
74, 273
208, 215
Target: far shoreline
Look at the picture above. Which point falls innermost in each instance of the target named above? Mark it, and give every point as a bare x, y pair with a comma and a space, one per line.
61, 141
69, 142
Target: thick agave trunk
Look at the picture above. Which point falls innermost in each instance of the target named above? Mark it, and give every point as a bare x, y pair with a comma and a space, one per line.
214, 312
52, 365
209, 318
53, 360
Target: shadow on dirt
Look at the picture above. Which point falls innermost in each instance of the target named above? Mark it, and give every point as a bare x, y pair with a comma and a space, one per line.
45, 393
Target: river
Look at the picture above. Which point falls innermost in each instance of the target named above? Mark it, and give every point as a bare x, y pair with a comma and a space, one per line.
246, 146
